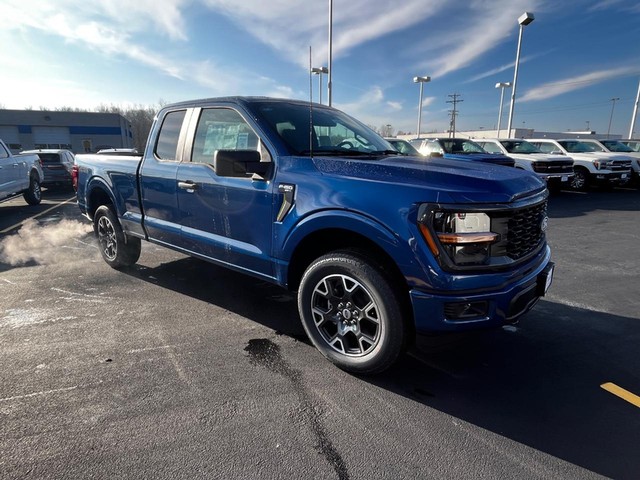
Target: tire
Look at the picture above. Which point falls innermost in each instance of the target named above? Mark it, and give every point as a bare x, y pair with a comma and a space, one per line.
580, 179
351, 313
117, 249
33, 195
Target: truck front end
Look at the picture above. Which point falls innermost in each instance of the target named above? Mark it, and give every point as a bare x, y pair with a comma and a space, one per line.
488, 263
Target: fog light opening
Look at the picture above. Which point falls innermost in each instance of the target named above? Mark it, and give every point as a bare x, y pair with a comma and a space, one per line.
457, 311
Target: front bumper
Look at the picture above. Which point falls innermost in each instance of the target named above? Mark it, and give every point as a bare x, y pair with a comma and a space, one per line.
620, 177
435, 312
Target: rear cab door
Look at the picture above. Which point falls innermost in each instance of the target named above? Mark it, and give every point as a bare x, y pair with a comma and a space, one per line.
158, 178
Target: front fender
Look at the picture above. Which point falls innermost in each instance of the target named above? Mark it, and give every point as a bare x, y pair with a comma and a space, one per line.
397, 248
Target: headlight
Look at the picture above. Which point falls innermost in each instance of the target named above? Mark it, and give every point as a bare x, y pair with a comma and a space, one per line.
464, 237
602, 164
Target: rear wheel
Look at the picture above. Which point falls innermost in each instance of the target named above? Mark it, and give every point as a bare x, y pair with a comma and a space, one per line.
117, 249
33, 195
351, 313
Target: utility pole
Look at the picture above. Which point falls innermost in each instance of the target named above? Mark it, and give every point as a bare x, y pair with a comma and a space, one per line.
635, 113
613, 105
454, 113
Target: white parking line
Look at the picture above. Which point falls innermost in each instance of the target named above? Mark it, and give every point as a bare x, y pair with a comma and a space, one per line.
13, 227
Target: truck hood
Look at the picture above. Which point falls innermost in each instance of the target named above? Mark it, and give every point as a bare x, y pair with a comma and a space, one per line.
495, 158
593, 156
612, 155
451, 181
540, 157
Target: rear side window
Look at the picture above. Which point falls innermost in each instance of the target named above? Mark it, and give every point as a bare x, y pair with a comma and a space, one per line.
49, 157
167, 144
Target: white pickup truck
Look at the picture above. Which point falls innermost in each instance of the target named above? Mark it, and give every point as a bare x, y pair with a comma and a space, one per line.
617, 147
20, 175
590, 165
556, 170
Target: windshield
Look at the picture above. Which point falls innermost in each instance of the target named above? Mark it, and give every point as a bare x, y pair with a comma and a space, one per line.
520, 146
404, 147
333, 133
460, 145
616, 146
574, 146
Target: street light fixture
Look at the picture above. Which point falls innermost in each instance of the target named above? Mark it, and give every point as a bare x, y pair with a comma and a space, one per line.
525, 19
421, 81
613, 105
501, 86
319, 71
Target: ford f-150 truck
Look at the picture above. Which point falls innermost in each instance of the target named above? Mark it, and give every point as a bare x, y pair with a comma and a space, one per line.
556, 170
378, 246
20, 175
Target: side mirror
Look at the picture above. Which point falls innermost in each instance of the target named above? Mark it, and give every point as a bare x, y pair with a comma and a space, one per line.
239, 163
436, 154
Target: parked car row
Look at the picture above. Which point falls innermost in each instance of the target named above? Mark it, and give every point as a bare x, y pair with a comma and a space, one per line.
30, 170
20, 175
563, 163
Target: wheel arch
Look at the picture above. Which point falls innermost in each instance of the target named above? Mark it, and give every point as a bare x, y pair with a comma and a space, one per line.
359, 236
98, 194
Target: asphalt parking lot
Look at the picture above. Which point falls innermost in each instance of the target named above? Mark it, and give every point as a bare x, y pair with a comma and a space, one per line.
179, 369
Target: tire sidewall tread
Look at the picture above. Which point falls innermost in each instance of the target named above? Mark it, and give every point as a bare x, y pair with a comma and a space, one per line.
393, 330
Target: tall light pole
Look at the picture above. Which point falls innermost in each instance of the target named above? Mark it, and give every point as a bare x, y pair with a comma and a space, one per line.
421, 81
319, 71
329, 81
525, 19
635, 113
613, 105
501, 86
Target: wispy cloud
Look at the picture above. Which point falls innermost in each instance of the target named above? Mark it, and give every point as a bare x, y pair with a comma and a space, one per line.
484, 25
378, 110
502, 68
605, 5
290, 28
566, 85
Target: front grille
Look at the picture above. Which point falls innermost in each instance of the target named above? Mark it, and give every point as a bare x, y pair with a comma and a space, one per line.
559, 166
620, 165
521, 231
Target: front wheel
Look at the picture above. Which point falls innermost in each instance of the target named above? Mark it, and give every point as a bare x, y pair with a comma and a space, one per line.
351, 313
33, 195
117, 249
580, 179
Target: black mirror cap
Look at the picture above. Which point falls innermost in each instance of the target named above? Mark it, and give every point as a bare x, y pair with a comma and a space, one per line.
239, 163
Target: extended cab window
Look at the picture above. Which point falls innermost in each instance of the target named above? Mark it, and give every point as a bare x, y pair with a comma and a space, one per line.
221, 129
167, 145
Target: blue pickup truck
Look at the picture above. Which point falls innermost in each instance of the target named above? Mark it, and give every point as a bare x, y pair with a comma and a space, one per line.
378, 246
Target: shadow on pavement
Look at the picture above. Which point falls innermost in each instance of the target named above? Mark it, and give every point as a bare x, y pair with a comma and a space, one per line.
537, 383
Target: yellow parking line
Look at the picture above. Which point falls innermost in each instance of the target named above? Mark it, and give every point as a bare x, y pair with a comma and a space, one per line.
13, 227
622, 393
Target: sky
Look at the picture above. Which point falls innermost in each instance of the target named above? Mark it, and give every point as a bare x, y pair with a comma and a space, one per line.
577, 55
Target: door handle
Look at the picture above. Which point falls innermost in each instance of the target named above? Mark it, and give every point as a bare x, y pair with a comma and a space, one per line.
188, 185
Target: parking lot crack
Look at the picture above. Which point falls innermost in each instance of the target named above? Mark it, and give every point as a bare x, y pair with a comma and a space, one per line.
265, 353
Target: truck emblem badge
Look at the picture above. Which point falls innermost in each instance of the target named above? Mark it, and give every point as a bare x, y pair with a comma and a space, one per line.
544, 223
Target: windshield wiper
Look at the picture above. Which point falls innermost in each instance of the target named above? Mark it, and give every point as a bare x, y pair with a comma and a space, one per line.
386, 152
337, 152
